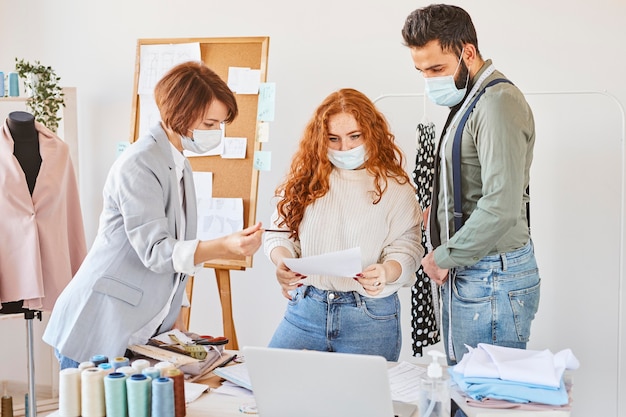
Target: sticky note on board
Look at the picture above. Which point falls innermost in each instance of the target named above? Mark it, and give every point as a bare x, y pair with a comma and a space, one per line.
262, 160
262, 131
267, 101
121, 147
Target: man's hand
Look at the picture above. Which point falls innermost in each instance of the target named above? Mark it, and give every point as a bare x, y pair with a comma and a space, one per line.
440, 276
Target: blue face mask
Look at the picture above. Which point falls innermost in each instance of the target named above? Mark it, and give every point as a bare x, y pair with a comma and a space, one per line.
350, 159
442, 90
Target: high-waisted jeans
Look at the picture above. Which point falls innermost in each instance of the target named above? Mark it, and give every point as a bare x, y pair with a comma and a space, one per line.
493, 301
340, 322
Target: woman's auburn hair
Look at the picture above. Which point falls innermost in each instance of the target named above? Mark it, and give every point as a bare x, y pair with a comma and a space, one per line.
185, 93
309, 175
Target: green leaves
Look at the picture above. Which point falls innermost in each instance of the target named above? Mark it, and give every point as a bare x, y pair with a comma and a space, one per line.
46, 97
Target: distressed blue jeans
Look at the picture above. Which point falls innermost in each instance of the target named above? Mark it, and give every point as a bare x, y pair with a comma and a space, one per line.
493, 301
340, 322
64, 361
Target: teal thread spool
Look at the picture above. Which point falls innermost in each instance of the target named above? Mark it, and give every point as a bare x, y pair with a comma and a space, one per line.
115, 395
14, 84
163, 397
152, 372
1, 84
138, 392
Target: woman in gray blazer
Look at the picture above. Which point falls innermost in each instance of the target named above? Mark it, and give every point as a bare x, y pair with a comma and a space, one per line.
131, 284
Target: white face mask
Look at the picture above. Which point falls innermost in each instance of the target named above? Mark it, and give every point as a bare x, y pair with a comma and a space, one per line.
442, 90
202, 141
350, 159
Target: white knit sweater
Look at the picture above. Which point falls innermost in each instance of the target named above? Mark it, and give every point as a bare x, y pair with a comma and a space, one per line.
346, 218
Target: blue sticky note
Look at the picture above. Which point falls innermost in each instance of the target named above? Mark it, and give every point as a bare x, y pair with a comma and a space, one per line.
262, 160
267, 102
121, 147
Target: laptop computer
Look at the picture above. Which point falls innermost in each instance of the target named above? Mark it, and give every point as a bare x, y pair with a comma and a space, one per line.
308, 383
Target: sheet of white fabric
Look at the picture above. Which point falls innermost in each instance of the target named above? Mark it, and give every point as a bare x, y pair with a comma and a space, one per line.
535, 367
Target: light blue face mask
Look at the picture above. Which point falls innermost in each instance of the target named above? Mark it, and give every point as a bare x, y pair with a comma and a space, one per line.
350, 159
442, 90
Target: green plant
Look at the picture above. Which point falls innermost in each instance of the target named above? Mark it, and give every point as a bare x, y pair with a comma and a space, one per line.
46, 96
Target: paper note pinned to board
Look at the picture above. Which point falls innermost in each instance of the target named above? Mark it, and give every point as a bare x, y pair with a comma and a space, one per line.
345, 263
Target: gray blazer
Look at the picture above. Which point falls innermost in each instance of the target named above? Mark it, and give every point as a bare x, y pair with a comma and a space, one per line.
128, 275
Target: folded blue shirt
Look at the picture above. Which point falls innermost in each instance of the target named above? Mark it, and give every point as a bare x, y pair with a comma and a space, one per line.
480, 388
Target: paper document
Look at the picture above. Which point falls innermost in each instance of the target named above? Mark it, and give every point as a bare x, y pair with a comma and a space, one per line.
345, 263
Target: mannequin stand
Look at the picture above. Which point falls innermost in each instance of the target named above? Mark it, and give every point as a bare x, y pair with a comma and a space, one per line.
29, 315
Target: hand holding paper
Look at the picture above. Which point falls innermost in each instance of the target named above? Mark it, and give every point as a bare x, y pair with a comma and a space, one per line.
345, 263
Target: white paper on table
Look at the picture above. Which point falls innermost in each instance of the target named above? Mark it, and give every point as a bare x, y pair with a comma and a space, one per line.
345, 263
193, 391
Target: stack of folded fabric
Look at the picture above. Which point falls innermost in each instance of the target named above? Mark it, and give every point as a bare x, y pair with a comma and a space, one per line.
514, 375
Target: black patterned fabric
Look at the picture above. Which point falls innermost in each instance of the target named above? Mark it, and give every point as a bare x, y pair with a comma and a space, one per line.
425, 293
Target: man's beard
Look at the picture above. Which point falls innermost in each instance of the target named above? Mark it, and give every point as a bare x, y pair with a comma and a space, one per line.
462, 80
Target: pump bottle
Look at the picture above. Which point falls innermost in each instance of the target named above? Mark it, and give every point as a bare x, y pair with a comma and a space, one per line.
434, 398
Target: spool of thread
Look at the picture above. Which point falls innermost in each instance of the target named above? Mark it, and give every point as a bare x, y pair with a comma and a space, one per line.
164, 367
1, 87
14, 84
126, 370
138, 390
119, 362
106, 367
152, 372
7, 406
98, 359
179, 391
86, 365
92, 393
140, 364
115, 395
69, 392
163, 397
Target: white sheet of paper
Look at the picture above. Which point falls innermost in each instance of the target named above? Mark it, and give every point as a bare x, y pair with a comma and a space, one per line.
345, 263
234, 148
219, 217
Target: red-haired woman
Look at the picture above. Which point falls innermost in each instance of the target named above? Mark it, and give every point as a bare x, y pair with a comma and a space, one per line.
346, 188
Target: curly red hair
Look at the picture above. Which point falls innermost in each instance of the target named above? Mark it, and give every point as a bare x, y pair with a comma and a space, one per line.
309, 174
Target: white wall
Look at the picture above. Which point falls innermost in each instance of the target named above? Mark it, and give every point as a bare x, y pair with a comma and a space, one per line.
316, 47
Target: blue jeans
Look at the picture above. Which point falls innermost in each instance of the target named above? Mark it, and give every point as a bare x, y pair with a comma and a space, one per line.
340, 322
64, 361
493, 301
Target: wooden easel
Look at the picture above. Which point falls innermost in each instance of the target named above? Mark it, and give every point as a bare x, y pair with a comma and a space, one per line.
232, 178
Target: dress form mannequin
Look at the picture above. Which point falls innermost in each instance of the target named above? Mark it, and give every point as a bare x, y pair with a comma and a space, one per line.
26, 148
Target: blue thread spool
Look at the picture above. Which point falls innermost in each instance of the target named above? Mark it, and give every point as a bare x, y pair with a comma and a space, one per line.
1, 84
106, 367
163, 397
138, 389
14, 84
115, 395
120, 361
98, 359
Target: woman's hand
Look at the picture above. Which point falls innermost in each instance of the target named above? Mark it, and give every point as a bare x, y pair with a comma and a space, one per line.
288, 279
245, 242
375, 277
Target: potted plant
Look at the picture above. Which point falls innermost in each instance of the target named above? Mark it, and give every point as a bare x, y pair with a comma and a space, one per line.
45, 95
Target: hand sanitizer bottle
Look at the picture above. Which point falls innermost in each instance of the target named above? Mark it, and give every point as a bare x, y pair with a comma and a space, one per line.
434, 398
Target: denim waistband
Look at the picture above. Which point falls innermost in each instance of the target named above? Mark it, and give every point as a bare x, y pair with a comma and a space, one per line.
329, 296
518, 256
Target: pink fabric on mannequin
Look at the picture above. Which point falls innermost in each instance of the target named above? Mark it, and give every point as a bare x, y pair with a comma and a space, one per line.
43, 239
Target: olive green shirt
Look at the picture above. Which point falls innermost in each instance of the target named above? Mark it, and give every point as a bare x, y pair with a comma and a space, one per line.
496, 154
